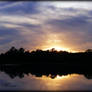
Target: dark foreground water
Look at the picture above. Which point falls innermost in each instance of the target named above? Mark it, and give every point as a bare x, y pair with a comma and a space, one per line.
30, 82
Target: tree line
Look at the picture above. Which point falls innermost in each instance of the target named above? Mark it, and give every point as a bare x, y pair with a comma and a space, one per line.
22, 56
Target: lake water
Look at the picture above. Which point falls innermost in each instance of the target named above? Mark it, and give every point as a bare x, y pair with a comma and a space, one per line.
31, 82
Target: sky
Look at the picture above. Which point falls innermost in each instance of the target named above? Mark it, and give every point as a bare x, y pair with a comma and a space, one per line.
45, 25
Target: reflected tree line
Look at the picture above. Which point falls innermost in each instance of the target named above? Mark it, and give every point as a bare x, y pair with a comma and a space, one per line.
20, 70
18, 62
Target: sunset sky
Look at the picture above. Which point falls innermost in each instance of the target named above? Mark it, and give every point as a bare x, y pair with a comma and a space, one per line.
45, 25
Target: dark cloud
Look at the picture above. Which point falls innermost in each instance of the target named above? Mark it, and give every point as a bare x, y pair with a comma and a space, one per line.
74, 23
7, 31
19, 7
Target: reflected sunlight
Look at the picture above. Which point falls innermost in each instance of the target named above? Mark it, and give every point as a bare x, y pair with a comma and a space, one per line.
60, 77
58, 82
45, 83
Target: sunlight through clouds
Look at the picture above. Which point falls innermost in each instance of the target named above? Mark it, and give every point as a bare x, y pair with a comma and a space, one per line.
33, 25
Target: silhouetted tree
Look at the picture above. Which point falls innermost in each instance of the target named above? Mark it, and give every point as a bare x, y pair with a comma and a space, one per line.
12, 51
50, 56
53, 50
21, 50
88, 50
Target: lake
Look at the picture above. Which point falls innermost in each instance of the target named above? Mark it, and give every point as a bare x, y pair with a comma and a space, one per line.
31, 82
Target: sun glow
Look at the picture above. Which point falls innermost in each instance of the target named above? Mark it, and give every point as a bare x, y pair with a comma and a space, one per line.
53, 41
58, 48
62, 77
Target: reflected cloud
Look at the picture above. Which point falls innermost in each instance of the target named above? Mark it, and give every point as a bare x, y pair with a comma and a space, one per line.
68, 82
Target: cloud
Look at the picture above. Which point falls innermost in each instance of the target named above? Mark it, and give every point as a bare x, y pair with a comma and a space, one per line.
19, 7
5, 5
33, 24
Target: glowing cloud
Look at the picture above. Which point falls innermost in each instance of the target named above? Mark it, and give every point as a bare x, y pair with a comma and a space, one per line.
45, 25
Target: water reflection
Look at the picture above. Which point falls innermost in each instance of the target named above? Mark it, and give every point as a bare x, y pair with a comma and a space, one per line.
19, 70
31, 82
25, 77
